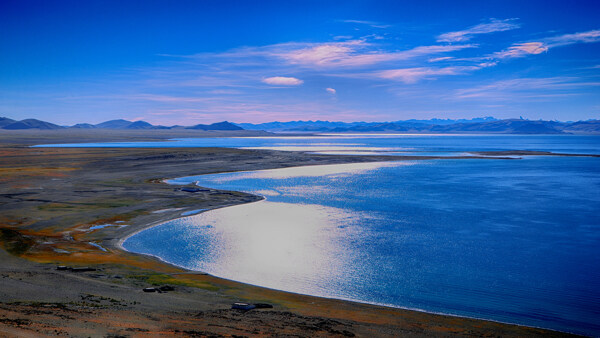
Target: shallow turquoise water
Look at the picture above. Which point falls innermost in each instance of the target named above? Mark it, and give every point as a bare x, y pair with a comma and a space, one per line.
510, 240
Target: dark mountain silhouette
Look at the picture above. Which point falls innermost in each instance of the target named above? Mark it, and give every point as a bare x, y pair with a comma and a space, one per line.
216, 126
333, 125
124, 124
449, 121
140, 125
591, 127
298, 125
405, 127
31, 124
513, 126
4, 121
83, 126
114, 124
509, 126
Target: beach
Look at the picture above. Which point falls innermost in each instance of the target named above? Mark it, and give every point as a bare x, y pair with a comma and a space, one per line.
53, 197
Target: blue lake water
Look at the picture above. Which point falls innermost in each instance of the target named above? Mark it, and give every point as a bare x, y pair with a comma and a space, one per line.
510, 240
384, 144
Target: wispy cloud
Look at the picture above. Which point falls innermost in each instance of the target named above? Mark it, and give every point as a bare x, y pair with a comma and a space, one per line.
163, 98
366, 51
531, 87
569, 39
358, 53
413, 75
225, 92
416, 74
521, 49
239, 67
431, 50
282, 81
485, 28
361, 52
327, 54
331, 91
543, 45
442, 58
368, 23
342, 37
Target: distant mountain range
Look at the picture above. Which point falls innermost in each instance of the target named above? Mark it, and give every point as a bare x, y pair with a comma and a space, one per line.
6, 123
10, 124
473, 126
329, 125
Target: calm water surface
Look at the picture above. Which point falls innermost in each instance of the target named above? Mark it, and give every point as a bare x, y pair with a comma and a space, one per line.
392, 144
509, 240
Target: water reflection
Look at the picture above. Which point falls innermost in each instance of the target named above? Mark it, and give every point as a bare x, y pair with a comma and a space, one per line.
341, 170
319, 149
278, 245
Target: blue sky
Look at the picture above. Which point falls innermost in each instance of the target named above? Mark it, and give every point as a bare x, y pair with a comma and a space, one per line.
188, 62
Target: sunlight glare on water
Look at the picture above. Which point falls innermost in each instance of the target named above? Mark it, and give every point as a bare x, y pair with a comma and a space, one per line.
280, 244
303, 171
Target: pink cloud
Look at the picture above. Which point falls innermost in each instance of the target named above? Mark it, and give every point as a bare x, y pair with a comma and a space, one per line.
522, 49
